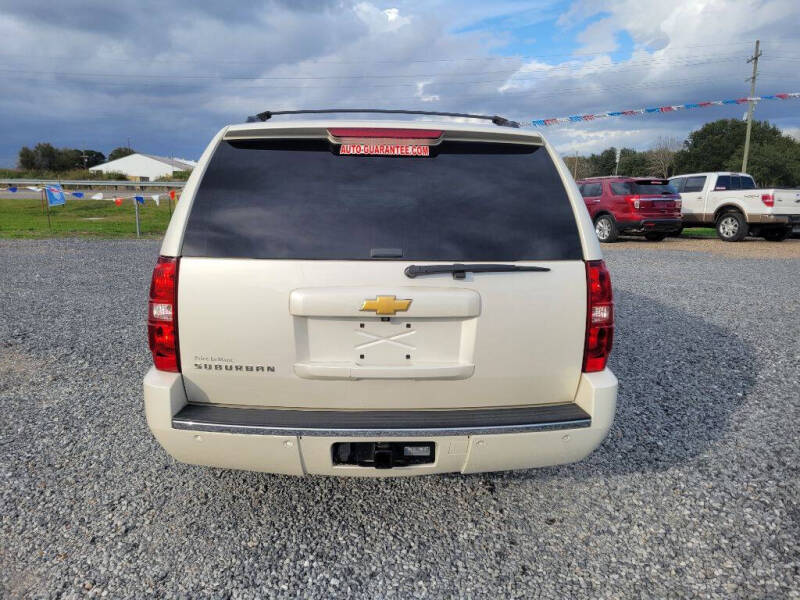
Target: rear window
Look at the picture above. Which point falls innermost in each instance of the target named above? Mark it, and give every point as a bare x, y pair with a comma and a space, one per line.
301, 200
678, 183
645, 187
623, 188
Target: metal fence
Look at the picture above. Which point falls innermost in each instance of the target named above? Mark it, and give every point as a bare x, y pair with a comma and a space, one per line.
94, 183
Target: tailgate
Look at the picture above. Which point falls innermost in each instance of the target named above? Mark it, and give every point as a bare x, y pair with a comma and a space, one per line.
657, 198
658, 206
292, 289
786, 202
292, 333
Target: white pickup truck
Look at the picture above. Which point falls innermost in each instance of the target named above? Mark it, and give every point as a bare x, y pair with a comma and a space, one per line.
733, 204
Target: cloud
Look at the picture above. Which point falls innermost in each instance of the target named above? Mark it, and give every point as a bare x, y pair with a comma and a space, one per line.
792, 132
94, 73
600, 36
422, 95
380, 21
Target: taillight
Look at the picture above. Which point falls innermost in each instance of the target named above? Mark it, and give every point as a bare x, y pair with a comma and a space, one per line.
633, 201
162, 316
768, 199
599, 317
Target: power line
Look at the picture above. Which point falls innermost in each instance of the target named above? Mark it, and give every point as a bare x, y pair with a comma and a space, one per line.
216, 60
200, 77
511, 79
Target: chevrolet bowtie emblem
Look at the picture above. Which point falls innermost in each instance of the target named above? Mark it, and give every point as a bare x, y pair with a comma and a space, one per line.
386, 305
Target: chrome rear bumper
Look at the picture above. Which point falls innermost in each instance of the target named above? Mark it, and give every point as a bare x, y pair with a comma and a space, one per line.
300, 442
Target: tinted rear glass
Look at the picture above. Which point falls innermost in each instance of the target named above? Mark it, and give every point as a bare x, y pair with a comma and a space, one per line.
301, 200
723, 183
678, 183
623, 188
590, 190
654, 187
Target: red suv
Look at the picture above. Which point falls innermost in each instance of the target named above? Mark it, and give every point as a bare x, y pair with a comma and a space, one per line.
637, 205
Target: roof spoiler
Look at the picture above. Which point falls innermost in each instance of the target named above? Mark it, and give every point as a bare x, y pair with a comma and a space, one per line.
268, 114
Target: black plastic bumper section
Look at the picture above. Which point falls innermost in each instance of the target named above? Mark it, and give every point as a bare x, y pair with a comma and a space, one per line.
654, 224
379, 423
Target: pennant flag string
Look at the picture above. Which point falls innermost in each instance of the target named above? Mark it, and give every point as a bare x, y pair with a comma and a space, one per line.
659, 109
56, 195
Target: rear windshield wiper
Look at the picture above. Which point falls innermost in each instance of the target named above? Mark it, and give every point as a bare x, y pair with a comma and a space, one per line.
459, 271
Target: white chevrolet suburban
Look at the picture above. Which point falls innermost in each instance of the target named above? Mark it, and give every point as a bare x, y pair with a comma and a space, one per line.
733, 204
380, 298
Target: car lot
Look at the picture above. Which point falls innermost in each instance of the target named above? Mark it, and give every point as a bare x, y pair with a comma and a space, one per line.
695, 492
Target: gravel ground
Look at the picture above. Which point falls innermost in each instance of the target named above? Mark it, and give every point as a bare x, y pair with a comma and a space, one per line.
747, 248
695, 492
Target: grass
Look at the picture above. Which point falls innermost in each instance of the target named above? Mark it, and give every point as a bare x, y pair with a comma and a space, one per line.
23, 218
701, 232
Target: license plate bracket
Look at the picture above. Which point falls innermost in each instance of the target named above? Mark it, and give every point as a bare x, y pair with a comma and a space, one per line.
383, 455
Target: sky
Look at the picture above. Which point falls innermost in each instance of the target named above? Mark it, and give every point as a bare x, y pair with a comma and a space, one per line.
168, 75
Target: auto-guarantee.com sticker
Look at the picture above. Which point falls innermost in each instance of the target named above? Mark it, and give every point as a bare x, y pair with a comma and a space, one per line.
385, 149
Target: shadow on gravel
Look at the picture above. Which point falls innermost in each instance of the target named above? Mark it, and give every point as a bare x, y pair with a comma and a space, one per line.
681, 378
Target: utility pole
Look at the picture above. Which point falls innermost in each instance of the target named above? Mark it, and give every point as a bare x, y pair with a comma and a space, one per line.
751, 105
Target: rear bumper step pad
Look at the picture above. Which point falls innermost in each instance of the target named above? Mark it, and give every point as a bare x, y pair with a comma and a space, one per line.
379, 423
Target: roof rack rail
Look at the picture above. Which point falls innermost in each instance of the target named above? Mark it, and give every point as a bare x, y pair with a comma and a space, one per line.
268, 114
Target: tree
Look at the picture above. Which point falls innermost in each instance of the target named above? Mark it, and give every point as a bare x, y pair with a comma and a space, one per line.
632, 162
716, 144
68, 158
93, 158
120, 152
27, 159
719, 146
661, 158
44, 157
771, 165
577, 165
603, 163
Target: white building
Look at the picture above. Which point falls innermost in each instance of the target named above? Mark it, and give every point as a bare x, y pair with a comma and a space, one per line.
145, 167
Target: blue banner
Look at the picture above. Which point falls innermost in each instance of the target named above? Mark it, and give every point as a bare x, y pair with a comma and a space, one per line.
55, 195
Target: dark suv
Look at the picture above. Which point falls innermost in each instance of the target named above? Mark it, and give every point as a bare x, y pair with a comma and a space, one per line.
636, 205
